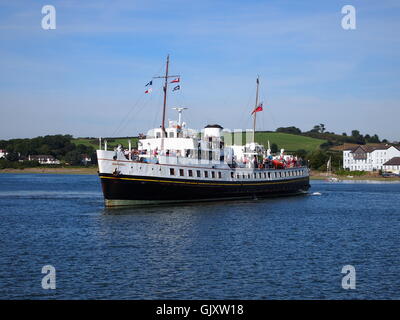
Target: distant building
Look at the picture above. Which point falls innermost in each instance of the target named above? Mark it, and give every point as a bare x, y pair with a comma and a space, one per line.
393, 165
44, 159
86, 159
368, 157
3, 153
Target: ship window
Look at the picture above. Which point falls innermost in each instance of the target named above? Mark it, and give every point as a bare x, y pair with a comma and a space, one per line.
172, 171
238, 176
181, 173
205, 174
259, 175
212, 174
265, 175
255, 175
220, 175
232, 175
158, 135
198, 173
190, 173
248, 175
269, 175
171, 134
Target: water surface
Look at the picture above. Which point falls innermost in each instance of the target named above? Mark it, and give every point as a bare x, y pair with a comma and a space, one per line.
283, 248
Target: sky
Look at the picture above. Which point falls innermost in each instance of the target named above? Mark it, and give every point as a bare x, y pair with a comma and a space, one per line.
87, 77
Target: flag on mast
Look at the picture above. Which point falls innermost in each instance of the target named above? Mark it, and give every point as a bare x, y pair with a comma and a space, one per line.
148, 90
258, 108
178, 87
176, 80
150, 83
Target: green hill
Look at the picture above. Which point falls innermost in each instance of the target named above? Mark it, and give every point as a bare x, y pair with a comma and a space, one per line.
111, 142
289, 142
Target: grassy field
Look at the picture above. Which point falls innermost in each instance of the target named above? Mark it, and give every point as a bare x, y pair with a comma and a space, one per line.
289, 142
111, 142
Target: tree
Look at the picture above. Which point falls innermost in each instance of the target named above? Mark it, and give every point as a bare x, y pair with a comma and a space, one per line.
318, 159
301, 153
73, 158
357, 137
12, 156
292, 130
321, 128
316, 128
274, 148
374, 139
355, 133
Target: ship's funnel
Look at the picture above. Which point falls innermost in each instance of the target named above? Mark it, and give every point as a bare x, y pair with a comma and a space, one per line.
213, 130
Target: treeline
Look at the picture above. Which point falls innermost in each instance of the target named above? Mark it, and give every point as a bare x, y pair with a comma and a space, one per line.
59, 146
319, 132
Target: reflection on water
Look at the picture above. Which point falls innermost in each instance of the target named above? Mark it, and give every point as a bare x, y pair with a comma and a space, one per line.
286, 248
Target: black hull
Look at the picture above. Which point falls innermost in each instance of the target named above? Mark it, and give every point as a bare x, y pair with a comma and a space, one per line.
130, 190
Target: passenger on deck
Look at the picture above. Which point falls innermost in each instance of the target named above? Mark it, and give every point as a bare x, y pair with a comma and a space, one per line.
255, 162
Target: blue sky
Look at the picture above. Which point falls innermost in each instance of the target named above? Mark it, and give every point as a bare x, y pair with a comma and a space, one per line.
87, 77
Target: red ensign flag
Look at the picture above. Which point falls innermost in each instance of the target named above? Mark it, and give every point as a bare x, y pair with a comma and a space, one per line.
258, 109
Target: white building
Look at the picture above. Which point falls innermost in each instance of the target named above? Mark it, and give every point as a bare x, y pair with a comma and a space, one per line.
368, 157
393, 165
3, 153
86, 159
44, 159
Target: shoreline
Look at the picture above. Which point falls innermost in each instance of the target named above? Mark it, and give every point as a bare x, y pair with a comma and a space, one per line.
38, 170
93, 170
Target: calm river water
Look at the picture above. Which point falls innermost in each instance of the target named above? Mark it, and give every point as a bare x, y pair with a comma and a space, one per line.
283, 248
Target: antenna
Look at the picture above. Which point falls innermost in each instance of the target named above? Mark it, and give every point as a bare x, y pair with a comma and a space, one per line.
180, 109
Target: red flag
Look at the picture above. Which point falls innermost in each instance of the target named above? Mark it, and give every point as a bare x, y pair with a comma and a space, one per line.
176, 80
148, 90
258, 109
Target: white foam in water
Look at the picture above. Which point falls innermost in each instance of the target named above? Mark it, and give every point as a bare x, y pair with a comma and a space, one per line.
316, 193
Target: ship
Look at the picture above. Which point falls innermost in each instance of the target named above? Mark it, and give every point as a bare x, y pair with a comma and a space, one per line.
175, 164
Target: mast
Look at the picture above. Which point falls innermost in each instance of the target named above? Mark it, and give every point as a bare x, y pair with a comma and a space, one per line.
165, 97
165, 89
255, 113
